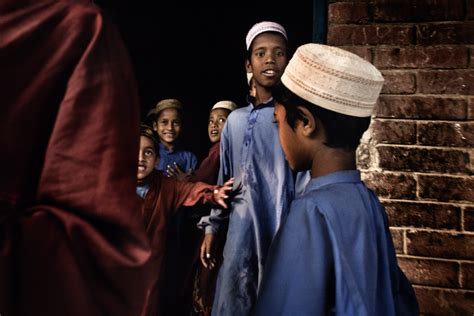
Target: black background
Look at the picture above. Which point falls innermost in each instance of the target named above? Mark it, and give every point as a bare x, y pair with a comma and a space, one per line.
196, 52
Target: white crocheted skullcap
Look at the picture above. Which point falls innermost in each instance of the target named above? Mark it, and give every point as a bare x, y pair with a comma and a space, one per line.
262, 27
228, 105
334, 79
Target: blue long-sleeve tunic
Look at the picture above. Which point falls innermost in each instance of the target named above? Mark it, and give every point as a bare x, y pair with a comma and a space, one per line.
264, 183
334, 256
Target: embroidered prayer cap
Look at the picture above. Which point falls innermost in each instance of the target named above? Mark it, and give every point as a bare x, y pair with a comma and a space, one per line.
168, 104
228, 105
147, 131
262, 27
334, 79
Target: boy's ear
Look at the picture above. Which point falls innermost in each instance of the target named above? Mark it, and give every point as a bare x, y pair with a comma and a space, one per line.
154, 126
248, 66
308, 122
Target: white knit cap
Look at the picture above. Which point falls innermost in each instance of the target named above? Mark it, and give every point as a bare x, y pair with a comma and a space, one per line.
334, 79
263, 27
228, 105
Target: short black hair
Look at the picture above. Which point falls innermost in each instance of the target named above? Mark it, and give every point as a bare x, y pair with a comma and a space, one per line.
148, 131
342, 131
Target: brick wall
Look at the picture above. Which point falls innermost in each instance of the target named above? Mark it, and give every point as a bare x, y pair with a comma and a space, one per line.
418, 154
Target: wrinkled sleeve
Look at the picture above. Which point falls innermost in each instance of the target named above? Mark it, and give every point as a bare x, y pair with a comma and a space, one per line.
297, 275
212, 223
192, 193
81, 249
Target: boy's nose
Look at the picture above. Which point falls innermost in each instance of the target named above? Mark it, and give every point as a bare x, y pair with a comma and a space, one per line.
270, 59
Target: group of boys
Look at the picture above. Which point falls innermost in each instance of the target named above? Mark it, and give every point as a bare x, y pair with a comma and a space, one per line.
326, 251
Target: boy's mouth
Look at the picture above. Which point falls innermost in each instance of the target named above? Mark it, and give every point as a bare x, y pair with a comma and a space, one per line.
269, 73
141, 167
214, 132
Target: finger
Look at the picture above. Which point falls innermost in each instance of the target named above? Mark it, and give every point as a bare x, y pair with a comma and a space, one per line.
203, 259
222, 203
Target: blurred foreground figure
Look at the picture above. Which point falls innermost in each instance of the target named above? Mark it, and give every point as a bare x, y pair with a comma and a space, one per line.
71, 240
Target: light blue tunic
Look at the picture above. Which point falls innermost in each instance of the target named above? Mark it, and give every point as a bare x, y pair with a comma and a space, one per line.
250, 152
334, 256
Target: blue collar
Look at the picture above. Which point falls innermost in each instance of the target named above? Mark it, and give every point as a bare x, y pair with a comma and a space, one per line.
344, 176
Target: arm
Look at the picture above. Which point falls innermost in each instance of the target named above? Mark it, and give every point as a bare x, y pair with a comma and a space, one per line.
298, 276
192, 193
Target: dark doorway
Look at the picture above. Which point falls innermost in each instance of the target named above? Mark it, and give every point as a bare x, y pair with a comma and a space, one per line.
195, 52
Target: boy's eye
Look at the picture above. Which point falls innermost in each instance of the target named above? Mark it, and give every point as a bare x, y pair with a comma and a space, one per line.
280, 53
221, 120
177, 123
211, 122
149, 153
260, 54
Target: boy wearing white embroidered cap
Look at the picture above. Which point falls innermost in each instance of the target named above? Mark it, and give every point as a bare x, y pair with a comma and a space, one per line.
251, 152
334, 254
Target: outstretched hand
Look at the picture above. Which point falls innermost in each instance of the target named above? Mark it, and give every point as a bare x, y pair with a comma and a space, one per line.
221, 193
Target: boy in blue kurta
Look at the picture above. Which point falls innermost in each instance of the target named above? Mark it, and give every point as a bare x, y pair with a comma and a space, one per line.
334, 254
251, 152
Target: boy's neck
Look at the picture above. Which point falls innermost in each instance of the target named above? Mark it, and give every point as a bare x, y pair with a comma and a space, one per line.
329, 160
168, 146
262, 95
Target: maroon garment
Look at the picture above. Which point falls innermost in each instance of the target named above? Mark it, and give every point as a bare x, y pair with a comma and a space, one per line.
162, 201
209, 167
71, 239
198, 283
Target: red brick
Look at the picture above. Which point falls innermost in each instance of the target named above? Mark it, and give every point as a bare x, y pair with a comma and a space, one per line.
397, 237
423, 215
469, 219
391, 185
467, 275
361, 51
446, 188
470, 108
422, 107
440, 245
445, 302
470, 10
471, 62
399, 82
394, 132
446, 81
422, 57
397, 158
445, 33
418, 11
370, 35
348, 13
430, 272
455, 134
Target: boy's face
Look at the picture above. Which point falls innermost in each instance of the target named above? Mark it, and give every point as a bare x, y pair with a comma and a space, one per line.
168, 126
290, 140
147, 158
268, 59
217, 119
